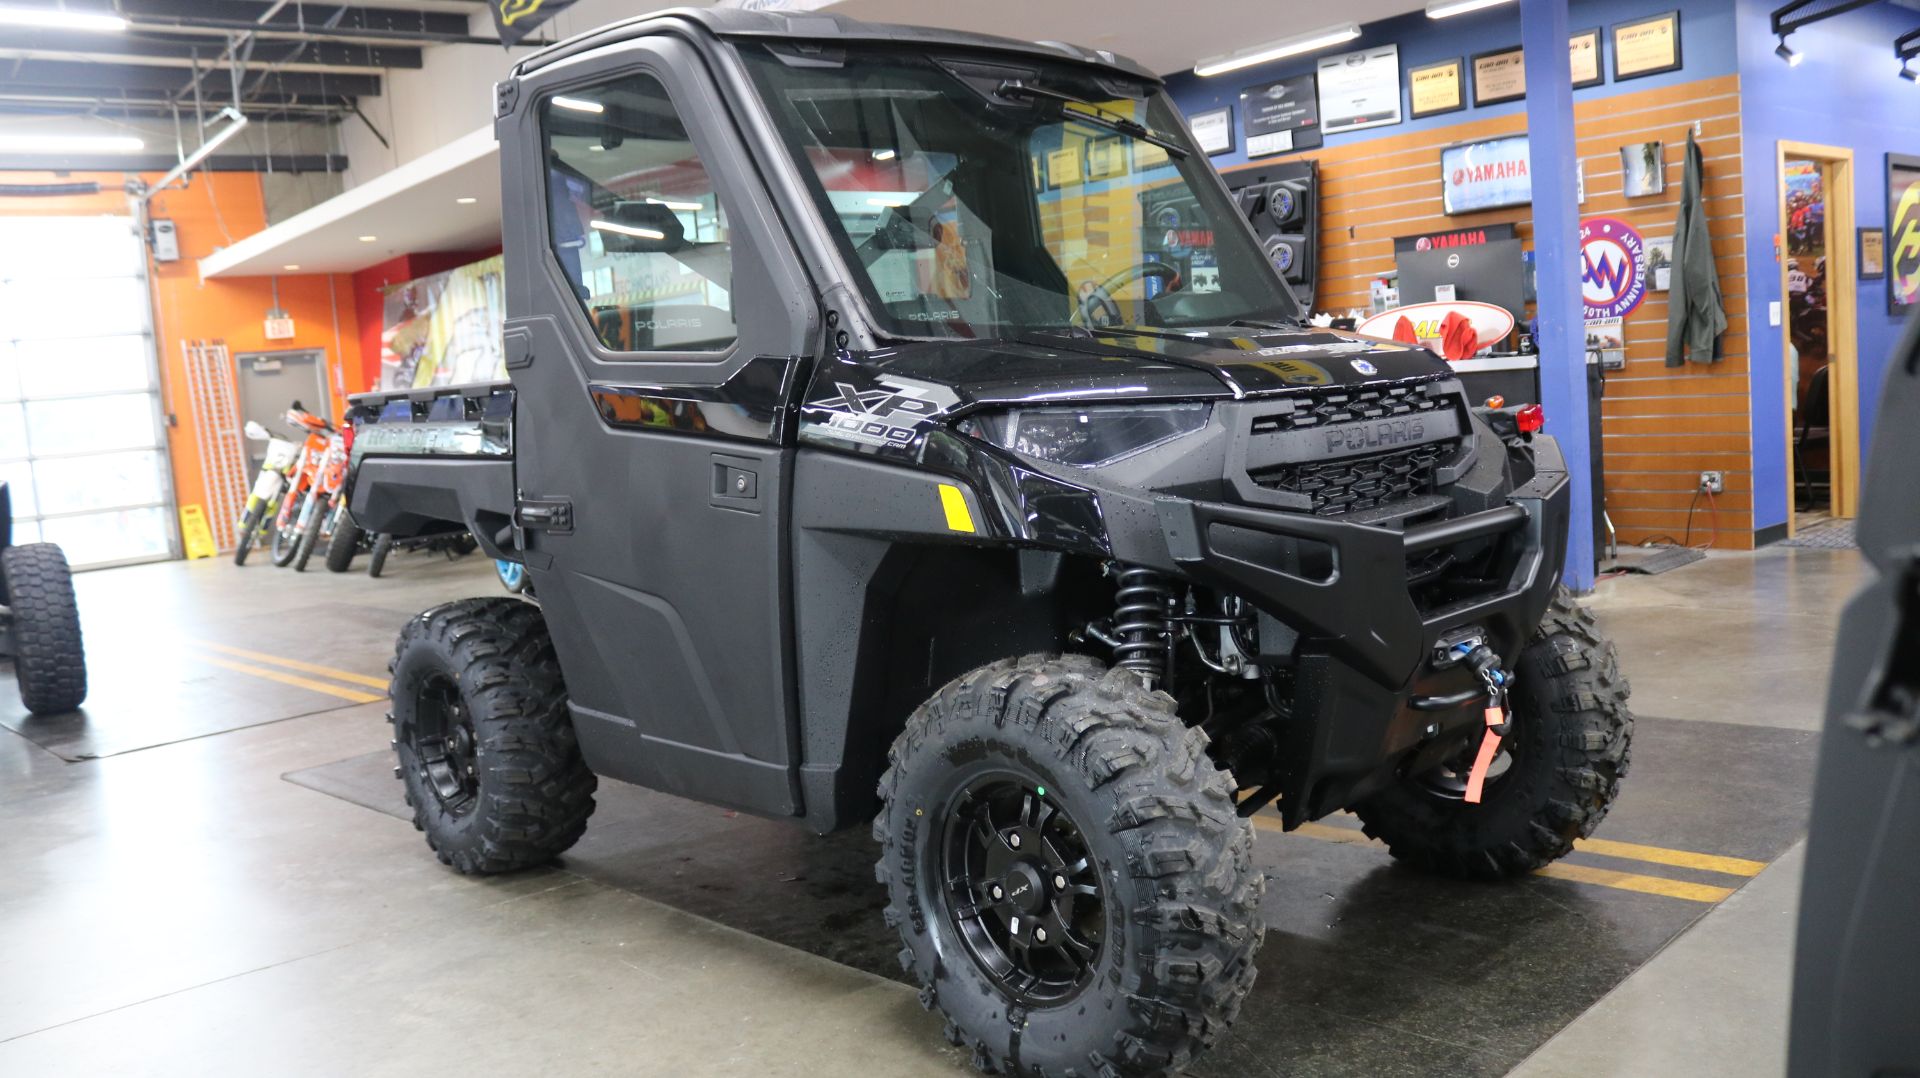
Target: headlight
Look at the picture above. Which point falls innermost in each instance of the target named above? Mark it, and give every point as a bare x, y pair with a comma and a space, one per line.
1087, 437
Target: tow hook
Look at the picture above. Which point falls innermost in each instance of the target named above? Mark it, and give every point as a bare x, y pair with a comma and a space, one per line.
1496, 679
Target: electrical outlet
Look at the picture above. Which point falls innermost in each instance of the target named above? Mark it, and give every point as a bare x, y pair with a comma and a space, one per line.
1713, 483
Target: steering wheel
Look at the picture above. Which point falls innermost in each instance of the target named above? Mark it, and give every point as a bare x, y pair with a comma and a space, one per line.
1096, 306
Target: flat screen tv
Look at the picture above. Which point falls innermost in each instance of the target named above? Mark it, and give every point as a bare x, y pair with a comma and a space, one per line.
1488, 175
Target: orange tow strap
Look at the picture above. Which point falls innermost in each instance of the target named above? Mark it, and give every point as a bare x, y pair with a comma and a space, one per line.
1489, 748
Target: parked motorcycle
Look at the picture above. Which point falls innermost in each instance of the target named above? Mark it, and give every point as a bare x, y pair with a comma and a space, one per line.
297, 506
263, 503
326, 505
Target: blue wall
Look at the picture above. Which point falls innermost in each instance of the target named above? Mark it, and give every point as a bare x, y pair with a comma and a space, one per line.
1844, 93
1707, 49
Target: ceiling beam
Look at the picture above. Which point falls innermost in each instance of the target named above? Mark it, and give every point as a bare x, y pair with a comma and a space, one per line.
149, 162
167, 49
290, 22
111, 79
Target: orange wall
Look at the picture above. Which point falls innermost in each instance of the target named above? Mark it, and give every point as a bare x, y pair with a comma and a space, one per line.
215, 210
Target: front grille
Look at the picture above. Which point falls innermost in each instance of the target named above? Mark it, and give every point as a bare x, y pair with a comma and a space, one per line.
1325, 408
1334, 487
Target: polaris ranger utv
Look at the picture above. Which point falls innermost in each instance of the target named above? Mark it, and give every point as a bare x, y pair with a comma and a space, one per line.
912, 410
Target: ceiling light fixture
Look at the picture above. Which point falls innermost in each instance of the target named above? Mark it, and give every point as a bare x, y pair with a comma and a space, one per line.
1292, 46
1446, 9
684, 207
579, 104
885, 155
291, 266
70, 144
596, 148
1792, 58
466, 200
368, 239
1909, 73
628, 230
55, 19
236, 123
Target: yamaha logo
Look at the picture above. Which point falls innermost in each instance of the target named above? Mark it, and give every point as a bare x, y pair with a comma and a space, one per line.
1364, 367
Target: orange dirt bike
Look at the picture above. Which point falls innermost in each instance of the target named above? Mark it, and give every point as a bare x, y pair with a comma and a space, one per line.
326, 502
300, 508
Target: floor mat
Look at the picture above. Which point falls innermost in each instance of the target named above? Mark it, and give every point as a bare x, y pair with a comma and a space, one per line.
1832, 535
1369, 968
1655, 560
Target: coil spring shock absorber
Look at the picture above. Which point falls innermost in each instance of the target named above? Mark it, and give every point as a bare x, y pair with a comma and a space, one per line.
1142, 623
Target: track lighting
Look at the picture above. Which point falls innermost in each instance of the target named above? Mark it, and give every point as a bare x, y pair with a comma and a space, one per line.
1792, 58
1909, 73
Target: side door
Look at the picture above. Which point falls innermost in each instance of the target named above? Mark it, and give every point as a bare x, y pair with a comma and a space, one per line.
658, 322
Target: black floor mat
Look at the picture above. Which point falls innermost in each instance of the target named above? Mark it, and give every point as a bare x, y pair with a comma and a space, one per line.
1368, 969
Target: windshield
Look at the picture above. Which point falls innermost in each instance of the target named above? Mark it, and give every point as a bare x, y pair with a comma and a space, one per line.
986, 197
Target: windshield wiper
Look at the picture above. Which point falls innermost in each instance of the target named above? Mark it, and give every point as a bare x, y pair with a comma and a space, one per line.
1096, 114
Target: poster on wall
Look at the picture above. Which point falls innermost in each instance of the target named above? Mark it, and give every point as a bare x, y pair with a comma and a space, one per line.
1213, 130
1487, 175
1613, 267
1903, 233
1499, 76
1281, 116
1436, 88
1583, 52
1646, 46
1360, 89
444, 329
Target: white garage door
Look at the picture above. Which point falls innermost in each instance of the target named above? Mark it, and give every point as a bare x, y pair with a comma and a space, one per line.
81, 443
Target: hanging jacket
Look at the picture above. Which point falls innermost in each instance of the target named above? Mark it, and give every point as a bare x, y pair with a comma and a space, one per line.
1695, 316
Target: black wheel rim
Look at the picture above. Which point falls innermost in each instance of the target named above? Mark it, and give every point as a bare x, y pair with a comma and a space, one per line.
1021, 889
445, 750
1449, 780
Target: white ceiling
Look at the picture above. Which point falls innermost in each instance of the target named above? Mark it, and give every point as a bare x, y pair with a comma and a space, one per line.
413, 208
1163, 37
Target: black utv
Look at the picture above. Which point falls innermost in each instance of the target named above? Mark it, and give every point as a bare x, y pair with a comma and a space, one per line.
906, 426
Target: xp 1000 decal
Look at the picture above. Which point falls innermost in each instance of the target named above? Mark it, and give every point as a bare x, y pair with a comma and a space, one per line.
885, 413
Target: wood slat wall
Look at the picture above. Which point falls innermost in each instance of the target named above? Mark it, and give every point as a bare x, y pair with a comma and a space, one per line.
1660, 426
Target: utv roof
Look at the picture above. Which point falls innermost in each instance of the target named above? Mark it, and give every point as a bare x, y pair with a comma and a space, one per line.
822, 28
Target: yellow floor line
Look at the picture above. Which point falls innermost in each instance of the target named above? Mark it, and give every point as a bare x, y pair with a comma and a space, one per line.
1628, 881
295, 664
1604, 877
1731, 866
354, 695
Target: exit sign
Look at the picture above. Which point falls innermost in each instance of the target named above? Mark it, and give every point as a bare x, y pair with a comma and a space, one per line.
279, 329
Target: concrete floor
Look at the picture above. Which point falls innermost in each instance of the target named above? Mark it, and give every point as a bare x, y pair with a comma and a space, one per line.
208, 877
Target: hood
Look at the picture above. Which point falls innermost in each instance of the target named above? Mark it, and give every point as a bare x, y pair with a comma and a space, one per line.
1135, 363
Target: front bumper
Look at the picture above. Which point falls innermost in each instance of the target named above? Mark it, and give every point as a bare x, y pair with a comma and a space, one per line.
1366, 645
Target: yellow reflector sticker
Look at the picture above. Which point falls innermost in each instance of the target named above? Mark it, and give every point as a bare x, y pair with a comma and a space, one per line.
954, 501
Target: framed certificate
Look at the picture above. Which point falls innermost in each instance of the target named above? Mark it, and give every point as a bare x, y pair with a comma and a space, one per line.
1281, 116
1583, 50
1213, 130
1360, 89
1499, 76
1646, 46
1873, 254
1436, 88
1106, 158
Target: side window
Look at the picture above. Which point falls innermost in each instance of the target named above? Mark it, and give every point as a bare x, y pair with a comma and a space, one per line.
635, 221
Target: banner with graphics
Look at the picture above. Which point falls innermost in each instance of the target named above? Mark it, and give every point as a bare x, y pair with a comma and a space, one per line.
1903, 233
444, 329
516, 19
